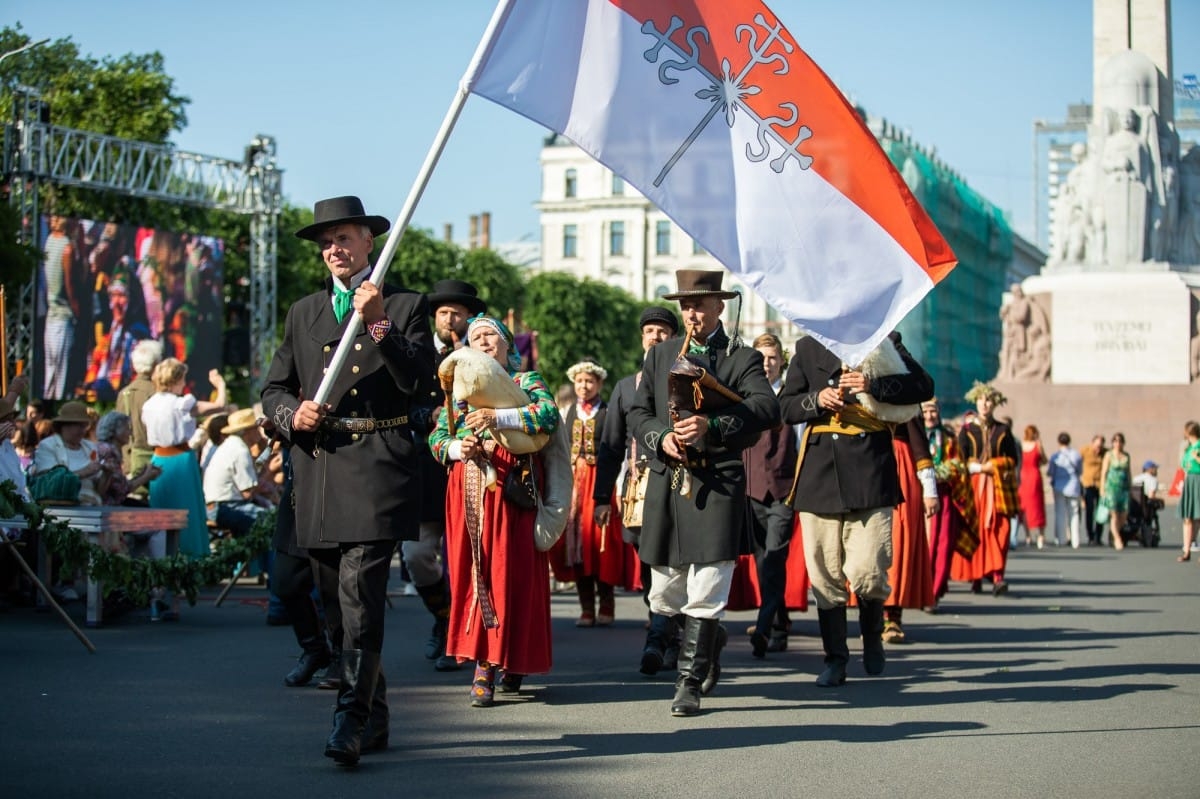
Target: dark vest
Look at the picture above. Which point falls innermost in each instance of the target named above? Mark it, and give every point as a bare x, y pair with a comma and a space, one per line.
771, 465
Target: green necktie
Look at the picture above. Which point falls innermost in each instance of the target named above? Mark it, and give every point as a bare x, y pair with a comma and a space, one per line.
697, 349
341, 302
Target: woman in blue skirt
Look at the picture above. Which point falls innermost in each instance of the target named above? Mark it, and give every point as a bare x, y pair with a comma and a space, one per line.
170, 419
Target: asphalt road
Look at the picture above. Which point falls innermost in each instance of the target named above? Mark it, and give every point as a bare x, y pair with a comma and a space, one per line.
1083, 681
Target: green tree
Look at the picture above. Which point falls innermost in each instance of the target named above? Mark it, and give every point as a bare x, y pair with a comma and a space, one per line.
582, 319
130, 96
499, 283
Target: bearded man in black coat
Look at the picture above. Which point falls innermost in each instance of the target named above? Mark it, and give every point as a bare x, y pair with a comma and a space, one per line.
354, 459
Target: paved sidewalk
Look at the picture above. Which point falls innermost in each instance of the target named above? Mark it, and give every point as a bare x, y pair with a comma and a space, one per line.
1083, 681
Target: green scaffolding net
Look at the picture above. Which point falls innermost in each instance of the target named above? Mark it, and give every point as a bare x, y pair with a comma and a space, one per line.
955, 331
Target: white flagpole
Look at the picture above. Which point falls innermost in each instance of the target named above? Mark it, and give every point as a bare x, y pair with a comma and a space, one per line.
414, 195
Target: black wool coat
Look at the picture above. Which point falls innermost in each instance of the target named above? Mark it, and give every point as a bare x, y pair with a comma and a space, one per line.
842, 473
707, 526
353, 487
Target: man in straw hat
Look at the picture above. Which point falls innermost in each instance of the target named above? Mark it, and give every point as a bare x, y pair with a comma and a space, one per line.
451, 304
354, 459
696, 492
230, 479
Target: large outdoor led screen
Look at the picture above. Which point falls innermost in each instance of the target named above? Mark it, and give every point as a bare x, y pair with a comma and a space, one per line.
103, 287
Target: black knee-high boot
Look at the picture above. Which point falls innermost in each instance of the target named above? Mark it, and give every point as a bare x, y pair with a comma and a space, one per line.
656, 644
833, 637
695, 662
360, 671
870, 623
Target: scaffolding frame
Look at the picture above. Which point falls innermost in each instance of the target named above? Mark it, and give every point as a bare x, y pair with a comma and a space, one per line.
37, 152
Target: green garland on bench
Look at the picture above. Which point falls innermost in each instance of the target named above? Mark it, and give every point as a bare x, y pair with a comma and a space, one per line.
135, 576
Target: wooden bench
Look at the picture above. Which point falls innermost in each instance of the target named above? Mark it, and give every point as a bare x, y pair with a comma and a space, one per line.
95, 520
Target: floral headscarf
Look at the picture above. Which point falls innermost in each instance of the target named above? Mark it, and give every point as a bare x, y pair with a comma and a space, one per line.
514, 357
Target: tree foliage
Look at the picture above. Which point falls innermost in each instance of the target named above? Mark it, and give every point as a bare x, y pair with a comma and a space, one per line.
582, 319
130, 96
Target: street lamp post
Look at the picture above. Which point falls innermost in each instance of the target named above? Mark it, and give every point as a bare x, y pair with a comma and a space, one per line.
29, 46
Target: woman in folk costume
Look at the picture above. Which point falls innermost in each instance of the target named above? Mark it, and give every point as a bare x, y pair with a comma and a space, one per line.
592, 556
954, 526
990, 453
500, 582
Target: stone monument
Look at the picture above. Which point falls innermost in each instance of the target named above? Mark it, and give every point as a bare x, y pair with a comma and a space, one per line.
1107, 338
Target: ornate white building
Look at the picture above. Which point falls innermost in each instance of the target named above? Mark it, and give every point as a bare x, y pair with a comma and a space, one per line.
594, 225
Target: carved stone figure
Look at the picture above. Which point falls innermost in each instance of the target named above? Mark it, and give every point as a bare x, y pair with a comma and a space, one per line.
1072, 214
1187, 237
1128, 190
1025, 354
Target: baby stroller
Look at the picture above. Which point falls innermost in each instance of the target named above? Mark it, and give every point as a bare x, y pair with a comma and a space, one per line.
1142, 523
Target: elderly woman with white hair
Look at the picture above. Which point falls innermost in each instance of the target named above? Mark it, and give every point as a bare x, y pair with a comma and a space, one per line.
112, 435
500, 582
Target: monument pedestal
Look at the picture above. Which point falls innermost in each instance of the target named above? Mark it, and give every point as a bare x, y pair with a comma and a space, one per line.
1151, 417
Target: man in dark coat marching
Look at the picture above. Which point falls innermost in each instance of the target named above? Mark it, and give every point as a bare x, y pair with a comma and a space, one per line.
847, 484
356, 471
696, 495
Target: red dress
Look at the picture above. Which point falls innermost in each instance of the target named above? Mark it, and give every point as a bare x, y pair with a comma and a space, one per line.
910, 575
500, 609
1032, 491
586, 550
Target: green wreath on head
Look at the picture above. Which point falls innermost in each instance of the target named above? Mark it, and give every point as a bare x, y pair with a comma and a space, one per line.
135, 576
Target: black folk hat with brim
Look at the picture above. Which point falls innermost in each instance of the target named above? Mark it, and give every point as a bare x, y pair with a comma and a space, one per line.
699, 283
458, 292
342, 211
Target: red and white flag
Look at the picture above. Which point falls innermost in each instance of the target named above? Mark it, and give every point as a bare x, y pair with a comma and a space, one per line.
711, 110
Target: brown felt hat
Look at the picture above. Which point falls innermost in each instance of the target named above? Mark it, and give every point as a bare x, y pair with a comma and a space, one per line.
72, 413
700, 283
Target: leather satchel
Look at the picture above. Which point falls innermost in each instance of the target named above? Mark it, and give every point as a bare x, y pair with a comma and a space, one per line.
520, 489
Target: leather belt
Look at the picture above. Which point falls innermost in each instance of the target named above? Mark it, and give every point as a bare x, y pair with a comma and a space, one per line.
356, 424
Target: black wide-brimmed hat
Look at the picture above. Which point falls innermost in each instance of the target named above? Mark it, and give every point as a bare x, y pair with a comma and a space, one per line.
700, 283
458, 292
341, 211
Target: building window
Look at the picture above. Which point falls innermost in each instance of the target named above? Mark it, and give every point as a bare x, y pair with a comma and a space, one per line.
571, 186
570, 241
616, 238
618, 186
697, 249
662, 237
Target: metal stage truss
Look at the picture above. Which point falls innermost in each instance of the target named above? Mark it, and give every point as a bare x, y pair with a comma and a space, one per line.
37, 152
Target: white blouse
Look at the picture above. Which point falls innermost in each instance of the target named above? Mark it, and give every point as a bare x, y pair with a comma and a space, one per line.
168, 419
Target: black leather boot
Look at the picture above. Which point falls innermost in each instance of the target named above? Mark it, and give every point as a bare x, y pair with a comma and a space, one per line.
375, 736
671, 645
695, 661
437, 601
714, 671
360, 670
656, 644
870, 623
833, 638
316, 656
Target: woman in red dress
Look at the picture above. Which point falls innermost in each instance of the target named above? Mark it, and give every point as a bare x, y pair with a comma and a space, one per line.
595, 558
1032, 490
500, 582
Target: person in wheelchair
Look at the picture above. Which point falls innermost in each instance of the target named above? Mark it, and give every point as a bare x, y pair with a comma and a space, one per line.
1144, 505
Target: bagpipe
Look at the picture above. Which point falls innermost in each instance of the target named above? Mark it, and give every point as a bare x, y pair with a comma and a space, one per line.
692, 390
473, 379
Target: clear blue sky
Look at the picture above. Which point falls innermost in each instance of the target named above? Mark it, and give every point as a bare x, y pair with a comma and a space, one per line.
354, 92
